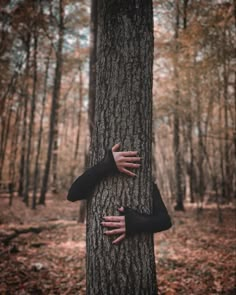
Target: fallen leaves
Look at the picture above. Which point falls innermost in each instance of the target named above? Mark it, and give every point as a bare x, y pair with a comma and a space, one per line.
194, 257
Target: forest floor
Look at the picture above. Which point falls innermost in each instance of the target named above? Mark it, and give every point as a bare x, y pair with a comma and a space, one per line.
194, 257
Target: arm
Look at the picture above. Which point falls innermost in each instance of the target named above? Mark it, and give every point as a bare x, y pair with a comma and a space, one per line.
113, 162
84, 184
157, 222
133, 222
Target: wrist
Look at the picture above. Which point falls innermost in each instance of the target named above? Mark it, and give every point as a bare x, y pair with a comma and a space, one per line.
109, 162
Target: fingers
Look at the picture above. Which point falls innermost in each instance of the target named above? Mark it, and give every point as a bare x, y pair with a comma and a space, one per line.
129, 153
114, 218
131, 165
126, 159
118, 225
131, 159
116, 147
119, 239
115, 231
129, 173
113, 224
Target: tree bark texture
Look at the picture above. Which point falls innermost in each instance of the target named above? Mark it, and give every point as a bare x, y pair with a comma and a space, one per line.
123, 113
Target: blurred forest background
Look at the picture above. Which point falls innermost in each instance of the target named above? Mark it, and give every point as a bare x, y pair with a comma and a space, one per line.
46, 115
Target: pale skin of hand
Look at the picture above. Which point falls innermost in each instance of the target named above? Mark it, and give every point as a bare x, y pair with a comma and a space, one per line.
123, 160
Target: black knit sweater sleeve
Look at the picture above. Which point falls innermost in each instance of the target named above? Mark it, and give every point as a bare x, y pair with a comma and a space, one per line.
83, 186
158, 221
136, 222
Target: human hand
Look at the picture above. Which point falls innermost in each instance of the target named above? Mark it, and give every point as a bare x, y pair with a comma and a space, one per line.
125, 160
117, 222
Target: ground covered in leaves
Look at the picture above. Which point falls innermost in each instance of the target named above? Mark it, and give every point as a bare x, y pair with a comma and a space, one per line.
43, 251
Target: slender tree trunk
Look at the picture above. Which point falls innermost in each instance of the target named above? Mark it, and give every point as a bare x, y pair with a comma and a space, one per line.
221, 147
53, 132
234, 112
14, 149
191, 156
57, 103
227, 161
40, 133
176, 142
4, 139
200, 151
31, 124
189, 122
25, 114
92, 64
123, 113
92, 88
23, 147
80, 106
24, 97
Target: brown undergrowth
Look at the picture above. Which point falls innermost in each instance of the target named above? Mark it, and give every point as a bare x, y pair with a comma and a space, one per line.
194, 257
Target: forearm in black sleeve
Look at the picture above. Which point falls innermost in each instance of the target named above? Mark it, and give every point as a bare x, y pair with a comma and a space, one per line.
157, 222
84, 184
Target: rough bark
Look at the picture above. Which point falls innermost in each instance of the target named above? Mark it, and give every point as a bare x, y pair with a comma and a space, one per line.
123, 113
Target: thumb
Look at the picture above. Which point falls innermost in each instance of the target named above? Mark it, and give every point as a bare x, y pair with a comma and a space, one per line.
116, 147
121, 209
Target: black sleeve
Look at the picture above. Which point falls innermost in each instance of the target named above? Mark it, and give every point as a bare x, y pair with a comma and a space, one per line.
84, 184
158, 221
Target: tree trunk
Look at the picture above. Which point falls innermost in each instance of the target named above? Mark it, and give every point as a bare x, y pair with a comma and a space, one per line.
123, 113
4, 139
227, 160
200, 150
23, 147
40, 133
79, 116
92, 64
14, 149
176, 139
234, 111
31, 124
92, 90
57, 94
53, 132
